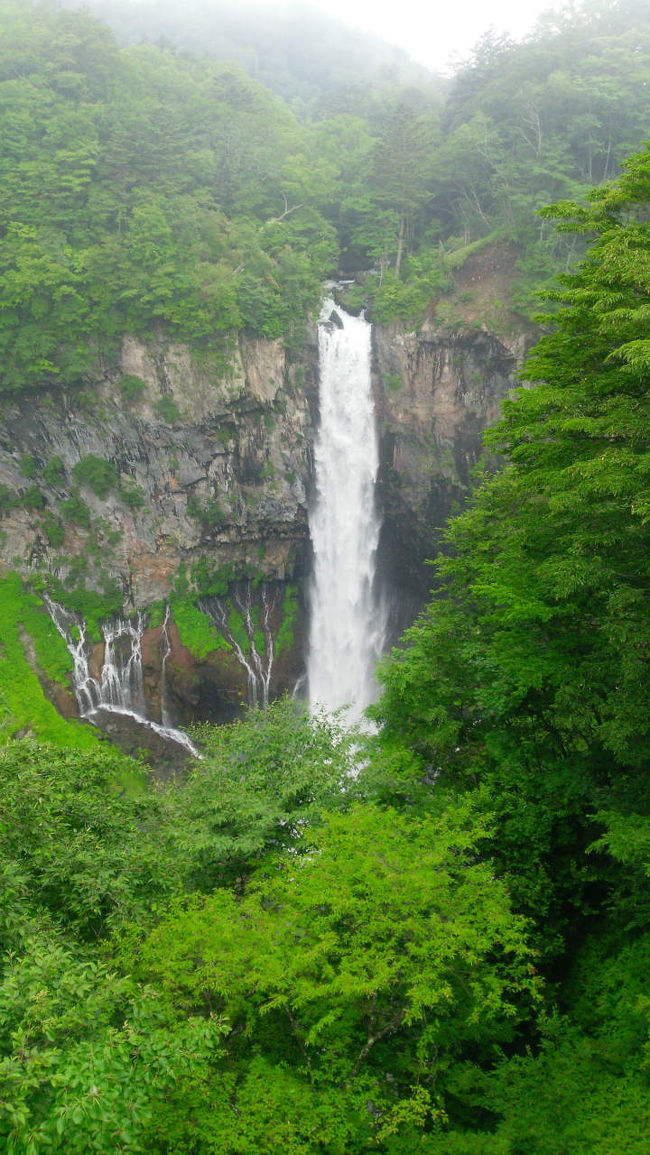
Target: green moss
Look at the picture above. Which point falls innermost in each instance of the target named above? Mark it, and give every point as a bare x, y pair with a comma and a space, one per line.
237, 628
457, 257
93, 606
196, 629
156, 614
285, 636
23, 705
210, 580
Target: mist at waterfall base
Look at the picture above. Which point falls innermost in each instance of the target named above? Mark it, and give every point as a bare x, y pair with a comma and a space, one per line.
347, 623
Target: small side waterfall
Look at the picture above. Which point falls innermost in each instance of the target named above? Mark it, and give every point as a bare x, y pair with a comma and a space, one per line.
165, 651
347, 627
120, 688
122, 684
255, 657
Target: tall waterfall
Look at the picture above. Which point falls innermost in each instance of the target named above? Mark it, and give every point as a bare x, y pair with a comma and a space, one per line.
120, 687
347, 626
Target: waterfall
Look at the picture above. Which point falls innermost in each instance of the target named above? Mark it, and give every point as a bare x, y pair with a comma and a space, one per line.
165, 651
257, 660
122, 683
120, 687
346, 627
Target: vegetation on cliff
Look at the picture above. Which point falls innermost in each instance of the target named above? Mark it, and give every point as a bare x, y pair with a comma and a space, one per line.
142, 189
433, 940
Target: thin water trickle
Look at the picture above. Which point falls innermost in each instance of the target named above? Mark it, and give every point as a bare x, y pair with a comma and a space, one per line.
165, 651
347, 625
257, 661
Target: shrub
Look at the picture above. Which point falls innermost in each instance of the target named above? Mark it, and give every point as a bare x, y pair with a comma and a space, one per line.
27, 465
53, 471
8, 500
99, 475
132, 496
76, 510
167, 409
32, 498
131, 387
53, 530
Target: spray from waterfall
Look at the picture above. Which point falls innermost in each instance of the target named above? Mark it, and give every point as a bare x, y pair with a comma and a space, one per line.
120, 687
347, 626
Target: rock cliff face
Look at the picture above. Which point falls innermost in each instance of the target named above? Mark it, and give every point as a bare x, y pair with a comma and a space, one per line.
202, 491
437, 392
206, 465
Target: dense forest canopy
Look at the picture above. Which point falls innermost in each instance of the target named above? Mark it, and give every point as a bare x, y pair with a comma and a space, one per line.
144, 188
434, 938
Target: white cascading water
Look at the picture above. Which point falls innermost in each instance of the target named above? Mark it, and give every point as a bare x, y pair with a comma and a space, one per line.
165, 651
120, 689
258, 666
347, 627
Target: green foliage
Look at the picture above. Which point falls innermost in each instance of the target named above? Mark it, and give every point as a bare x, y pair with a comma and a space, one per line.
27, 465
32, 498
23, 705
346, 963
94, 605
73, 1037
53, 529
132, 496
53, 472
210, 515
8, 499
125, 205
530, 675
195, 629
284, 639
98, 474
167, 408
74, 509
131, 387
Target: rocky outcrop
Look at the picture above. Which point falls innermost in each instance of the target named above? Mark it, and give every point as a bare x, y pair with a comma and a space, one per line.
437, 391
207, 476
209, 462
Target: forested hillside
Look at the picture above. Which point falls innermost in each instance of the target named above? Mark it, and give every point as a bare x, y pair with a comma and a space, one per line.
145, 188
429, 938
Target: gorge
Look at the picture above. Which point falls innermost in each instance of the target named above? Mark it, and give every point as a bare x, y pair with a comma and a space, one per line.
202, 524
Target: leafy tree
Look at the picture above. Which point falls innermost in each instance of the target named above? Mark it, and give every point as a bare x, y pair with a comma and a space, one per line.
529, 672
359, 969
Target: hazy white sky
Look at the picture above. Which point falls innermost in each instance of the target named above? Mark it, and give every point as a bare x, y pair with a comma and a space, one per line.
436, 32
